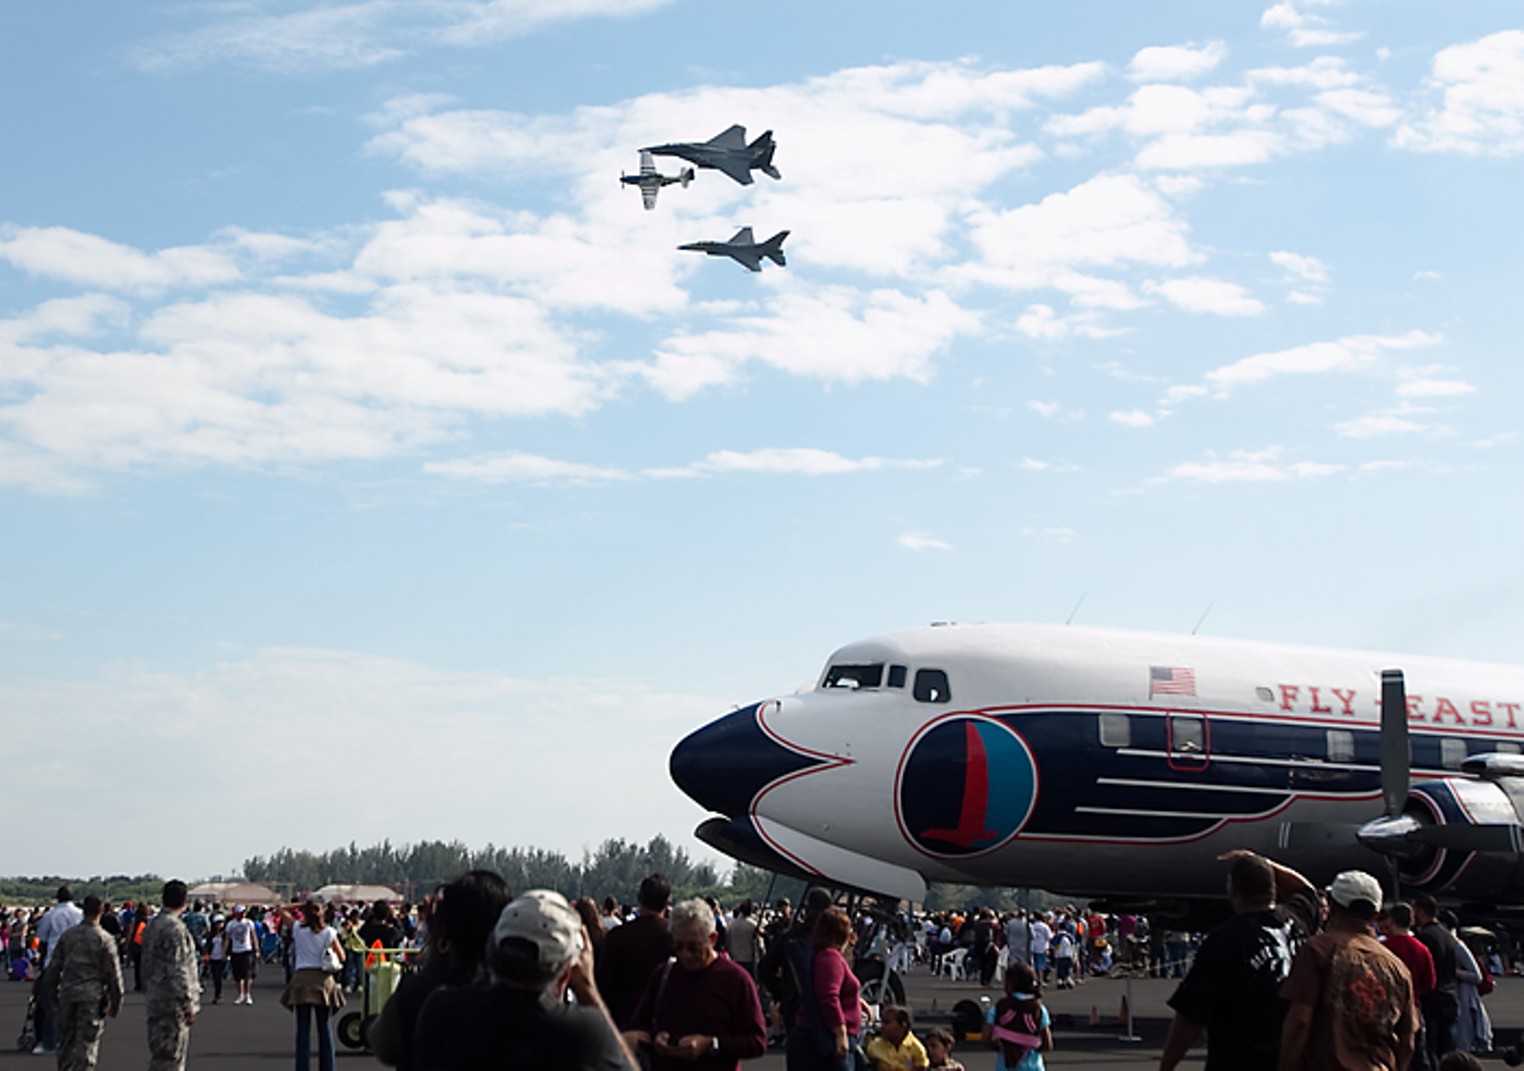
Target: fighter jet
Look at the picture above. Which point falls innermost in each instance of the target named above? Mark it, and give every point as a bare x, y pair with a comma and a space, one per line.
727, 152
744, 249
651, 181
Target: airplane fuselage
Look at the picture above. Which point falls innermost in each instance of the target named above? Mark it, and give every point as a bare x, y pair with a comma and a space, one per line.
1099, 762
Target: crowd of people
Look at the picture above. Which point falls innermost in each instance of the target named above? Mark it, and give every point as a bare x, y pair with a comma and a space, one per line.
1296, 980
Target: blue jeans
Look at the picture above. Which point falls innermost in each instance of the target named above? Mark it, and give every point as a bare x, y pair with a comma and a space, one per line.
46, 1021
802, 1052
304, 1013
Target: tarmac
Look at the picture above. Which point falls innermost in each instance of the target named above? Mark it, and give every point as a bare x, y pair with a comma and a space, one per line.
261, 1036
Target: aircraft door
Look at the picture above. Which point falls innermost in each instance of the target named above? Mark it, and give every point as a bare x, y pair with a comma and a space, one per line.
1190, 741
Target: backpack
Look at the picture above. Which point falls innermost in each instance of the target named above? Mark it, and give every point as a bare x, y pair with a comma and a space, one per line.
1017, 1028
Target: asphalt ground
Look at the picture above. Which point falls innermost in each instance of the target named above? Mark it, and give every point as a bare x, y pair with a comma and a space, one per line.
260, 1037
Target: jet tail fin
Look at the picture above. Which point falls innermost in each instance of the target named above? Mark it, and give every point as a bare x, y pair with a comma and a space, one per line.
762, 155
772, 249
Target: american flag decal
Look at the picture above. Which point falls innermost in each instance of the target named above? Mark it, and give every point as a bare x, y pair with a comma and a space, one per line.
1171, 680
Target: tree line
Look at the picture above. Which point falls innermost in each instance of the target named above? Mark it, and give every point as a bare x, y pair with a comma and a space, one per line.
615, 868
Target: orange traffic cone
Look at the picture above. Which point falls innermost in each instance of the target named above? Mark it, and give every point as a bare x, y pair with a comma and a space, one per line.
1122, 1011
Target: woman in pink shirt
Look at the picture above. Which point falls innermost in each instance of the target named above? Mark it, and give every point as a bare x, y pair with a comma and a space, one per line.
837, 1010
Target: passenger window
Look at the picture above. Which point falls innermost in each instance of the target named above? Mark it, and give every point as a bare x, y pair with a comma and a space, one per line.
1452, 753
865, 676
931, 686
1507, 747
1116, 730
1341, 745
897, 675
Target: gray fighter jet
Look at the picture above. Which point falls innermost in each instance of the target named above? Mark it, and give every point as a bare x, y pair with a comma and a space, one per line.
744, 249
651, 181
727, 152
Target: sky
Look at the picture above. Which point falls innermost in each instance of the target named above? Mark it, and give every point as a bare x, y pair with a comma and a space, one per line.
372, 465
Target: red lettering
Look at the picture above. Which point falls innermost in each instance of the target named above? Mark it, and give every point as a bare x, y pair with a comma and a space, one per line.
1481, 712
1511, 709
1414, 714
1289, 692
1442, 707
1316, 709
1347, 698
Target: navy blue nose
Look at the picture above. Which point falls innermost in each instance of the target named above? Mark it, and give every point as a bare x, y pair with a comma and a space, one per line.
725, 764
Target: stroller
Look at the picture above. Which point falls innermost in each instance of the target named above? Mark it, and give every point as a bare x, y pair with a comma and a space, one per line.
27, 1039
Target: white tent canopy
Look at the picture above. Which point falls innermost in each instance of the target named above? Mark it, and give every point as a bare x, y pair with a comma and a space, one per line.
357, 894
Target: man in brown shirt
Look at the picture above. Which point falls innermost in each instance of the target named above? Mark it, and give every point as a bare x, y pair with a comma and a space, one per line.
1350, 1001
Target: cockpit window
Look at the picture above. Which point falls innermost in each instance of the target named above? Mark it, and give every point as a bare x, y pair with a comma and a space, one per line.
897, 676
868, 676
931, 686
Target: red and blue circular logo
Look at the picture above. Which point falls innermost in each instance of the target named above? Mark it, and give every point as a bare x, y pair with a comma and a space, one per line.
967, 785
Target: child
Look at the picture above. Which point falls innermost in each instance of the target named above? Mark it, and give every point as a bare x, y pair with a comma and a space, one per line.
1063, 958
1017, 1028
939, 1047
894, 1047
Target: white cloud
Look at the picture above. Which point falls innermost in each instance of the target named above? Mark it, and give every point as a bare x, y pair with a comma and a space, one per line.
917, 541
1434, 388
1056, 411
1299, 267
1044, 323
792, 461
1176, 63
1391, 422
1346, 354
1133, 418
837, 334
523, 468
1199, 294
1247, 466
1480, 111
1111, 221
364, 33
1303, 30
76, 257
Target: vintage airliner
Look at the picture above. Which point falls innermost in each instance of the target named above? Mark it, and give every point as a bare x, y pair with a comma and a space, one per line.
1110, 763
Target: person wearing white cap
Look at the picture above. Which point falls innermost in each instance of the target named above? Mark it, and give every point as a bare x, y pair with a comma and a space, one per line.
1350, 1003
538, 952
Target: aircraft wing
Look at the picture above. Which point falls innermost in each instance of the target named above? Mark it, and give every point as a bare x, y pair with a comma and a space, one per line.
748, 257
841, 864
734, 138
647, 163
735, 167
648, 191
743, 237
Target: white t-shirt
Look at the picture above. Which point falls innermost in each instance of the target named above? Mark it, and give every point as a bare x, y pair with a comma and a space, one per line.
1041, 936
241, 935
308, 945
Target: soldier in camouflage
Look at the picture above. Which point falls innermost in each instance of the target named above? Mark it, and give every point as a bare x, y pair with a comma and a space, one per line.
85, 981
171, 982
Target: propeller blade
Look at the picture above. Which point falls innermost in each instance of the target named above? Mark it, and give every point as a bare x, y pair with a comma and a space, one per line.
1396, 756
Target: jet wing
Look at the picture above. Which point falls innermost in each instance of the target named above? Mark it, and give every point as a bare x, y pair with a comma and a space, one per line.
648, 191
734, 138
735, 167
748, 257
742, 237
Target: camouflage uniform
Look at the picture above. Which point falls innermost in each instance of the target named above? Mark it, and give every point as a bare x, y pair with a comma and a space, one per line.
85, 977
172, 988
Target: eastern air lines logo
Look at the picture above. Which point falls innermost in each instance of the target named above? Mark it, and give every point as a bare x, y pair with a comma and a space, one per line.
966, 785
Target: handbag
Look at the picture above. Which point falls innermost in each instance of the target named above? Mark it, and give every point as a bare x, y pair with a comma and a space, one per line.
331, 962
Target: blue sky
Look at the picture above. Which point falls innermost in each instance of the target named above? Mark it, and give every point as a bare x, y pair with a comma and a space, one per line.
363, 442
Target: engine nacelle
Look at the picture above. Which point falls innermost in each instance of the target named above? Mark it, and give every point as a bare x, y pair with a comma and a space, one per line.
1462, 839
